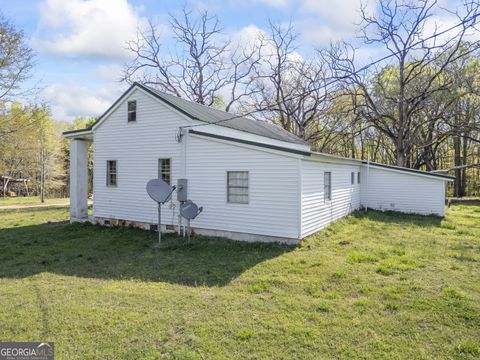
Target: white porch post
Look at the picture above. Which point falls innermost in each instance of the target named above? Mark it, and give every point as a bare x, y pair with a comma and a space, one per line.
78, 180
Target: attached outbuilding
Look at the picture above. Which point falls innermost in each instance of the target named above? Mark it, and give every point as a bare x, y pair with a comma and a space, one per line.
255, 181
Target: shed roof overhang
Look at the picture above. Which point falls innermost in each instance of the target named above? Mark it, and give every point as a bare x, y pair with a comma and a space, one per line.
340, 159
409, 171
82, 134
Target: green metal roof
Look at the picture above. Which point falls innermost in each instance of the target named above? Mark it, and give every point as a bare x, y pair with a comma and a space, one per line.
414, 171
213, 116
392, 167
209, 115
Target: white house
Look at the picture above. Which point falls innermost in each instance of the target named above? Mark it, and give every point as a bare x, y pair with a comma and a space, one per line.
254, 180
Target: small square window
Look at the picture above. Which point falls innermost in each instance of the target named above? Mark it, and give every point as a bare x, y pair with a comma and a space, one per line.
237, 187
112, 173
132, 111
327, 186
165, 170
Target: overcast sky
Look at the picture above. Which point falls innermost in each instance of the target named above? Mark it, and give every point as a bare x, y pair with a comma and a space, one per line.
80, 43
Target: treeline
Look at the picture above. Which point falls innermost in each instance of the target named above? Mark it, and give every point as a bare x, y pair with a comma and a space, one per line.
31, 142
417, 106
33, 147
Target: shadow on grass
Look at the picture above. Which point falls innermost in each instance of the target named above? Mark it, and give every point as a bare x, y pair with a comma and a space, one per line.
91, 251
395, 217
467, 201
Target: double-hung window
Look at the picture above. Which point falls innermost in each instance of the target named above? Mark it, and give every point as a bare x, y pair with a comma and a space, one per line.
327, 186
352, 178
111, 172
237, 187
358, 177
165, 170
132, 110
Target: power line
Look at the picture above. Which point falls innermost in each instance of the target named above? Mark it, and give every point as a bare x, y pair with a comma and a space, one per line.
363, 68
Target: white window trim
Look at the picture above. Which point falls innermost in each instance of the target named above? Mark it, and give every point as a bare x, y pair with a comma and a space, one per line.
131, 111
325, 200
248, 188
108, 184
160, 169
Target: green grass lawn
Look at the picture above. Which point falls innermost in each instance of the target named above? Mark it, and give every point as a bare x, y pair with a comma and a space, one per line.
373, 285
25, 200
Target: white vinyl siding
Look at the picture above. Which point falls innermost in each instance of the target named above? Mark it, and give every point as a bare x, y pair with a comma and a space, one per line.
137, 149
273, 186
384, 189
316, 213
273, 207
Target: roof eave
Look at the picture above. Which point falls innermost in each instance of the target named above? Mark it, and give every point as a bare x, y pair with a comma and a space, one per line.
77, 134
335, 158
410, 171
384, 166
252, 143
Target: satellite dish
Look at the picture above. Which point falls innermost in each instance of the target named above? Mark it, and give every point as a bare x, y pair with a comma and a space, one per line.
189, 210
159, 190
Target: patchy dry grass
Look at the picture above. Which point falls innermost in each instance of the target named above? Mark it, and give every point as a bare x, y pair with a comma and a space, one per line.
375, 285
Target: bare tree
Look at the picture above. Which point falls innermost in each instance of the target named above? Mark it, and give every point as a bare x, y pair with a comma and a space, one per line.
292, 91
393, 95
204, 66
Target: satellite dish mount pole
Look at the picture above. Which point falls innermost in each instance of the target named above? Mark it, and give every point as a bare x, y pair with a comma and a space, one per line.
160, 192
159, 223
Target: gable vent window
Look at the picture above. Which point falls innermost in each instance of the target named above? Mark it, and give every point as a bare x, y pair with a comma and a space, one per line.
327, 186
352, 178
237, 187
112, 173
132, 111
165, 170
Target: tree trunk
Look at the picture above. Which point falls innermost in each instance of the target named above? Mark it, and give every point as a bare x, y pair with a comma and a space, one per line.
400, 153
353, 146
464, 162
42, 175
402, 114
362, 147
457, 162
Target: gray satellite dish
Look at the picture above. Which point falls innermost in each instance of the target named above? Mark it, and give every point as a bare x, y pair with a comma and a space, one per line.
161, 192
189, 210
